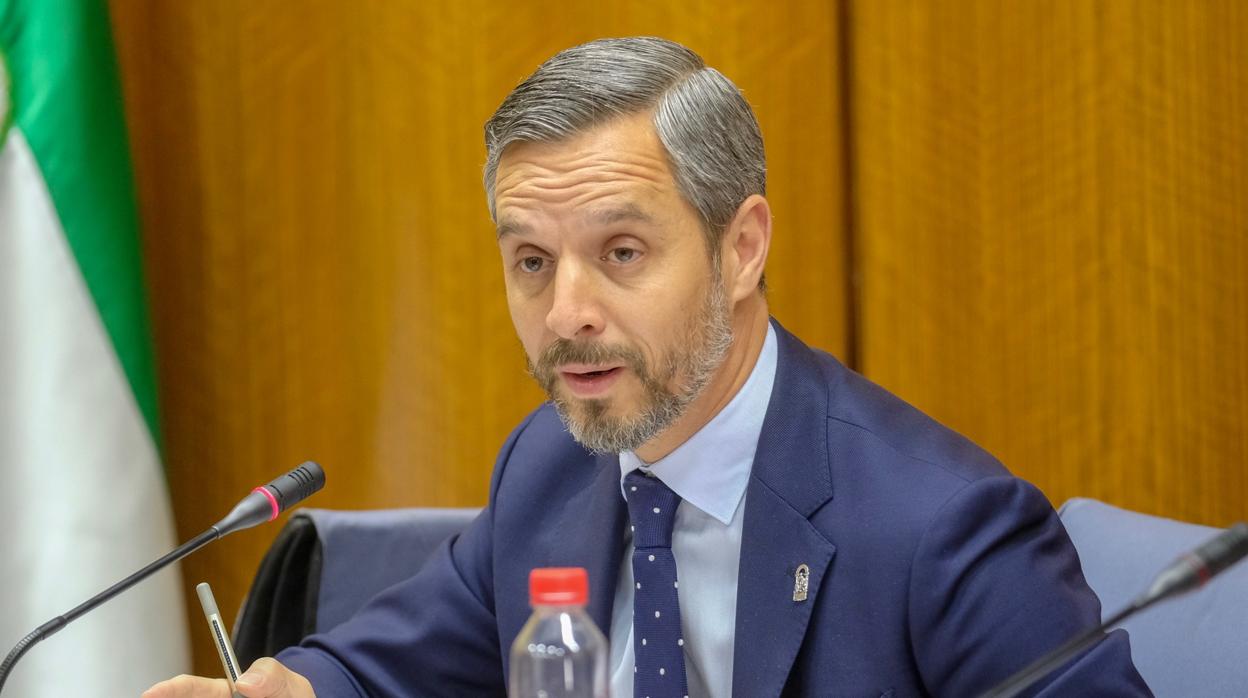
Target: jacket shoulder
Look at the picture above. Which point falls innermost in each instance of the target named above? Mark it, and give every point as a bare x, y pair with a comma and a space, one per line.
872, 415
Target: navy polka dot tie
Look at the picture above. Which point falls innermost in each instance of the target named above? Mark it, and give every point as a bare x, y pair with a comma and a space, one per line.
657, 641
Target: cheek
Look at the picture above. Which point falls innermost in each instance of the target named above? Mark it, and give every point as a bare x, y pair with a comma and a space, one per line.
529, 320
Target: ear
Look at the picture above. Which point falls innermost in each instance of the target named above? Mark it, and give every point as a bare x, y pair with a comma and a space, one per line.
744, 247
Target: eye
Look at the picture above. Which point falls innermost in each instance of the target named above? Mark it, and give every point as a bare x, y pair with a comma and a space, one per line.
532, 265
623, 255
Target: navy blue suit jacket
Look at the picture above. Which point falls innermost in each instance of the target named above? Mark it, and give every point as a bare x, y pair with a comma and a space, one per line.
933, 571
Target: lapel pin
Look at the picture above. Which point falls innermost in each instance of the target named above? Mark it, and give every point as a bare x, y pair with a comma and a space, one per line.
801, 582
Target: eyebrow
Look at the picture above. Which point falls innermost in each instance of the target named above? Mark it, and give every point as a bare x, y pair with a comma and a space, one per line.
603, 217
627, 212
506, 227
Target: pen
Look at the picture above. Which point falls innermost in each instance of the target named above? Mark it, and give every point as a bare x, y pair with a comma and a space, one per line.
220, 638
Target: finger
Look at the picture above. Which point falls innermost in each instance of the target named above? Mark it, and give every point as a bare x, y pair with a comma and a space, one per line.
185, 686
267, 678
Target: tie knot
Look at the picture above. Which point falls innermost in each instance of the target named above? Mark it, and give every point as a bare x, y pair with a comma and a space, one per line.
651, 509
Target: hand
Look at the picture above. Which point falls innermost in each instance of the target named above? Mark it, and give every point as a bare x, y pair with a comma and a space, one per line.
267, 678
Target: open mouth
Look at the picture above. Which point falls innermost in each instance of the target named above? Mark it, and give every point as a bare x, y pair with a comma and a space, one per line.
592, 382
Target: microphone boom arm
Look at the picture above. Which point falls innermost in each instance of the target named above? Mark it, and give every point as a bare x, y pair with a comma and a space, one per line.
264, 503
50, 628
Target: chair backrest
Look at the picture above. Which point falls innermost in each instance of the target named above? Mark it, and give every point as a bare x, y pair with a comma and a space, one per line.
1195, 645
325, 564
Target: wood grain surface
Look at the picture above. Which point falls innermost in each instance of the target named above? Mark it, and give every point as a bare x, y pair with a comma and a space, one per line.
323, 273
1052, 237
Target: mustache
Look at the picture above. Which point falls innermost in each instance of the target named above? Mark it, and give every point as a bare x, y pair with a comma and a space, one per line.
565, 351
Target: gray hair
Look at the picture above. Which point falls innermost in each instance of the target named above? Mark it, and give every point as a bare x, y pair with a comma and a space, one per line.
710, 133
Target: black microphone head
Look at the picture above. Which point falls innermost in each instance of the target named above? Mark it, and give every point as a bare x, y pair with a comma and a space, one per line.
295, 486
267, 502
1225, 550
1196, 568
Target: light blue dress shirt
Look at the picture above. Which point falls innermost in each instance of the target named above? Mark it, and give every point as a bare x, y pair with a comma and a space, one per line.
709, 472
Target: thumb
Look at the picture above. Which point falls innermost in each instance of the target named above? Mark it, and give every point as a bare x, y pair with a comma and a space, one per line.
267, 678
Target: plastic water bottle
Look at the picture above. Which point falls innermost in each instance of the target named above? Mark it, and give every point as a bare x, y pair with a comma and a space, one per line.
559, 653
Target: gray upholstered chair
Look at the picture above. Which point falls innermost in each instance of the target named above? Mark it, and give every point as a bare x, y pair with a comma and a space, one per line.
1192, 646
325, 564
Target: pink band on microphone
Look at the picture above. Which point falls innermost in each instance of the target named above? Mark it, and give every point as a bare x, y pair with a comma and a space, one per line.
1198, 565
272, 501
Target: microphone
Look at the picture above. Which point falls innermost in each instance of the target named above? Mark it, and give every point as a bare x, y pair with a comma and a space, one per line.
267, 502
1191, 571
264, 503
1196, 568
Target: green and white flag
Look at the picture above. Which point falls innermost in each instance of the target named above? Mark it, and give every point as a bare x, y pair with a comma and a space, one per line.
83, 498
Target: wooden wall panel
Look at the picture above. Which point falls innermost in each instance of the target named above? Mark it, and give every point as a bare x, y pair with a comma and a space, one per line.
324, 278
1052, 237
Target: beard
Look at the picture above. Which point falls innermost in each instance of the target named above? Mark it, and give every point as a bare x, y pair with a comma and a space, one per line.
668, 387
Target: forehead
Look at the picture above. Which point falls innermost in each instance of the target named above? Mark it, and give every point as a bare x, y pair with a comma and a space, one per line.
622, 161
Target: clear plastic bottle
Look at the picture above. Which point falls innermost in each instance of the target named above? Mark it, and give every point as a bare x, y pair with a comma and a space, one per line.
559, 653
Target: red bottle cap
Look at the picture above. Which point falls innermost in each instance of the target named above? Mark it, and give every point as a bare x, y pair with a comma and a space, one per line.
559, 586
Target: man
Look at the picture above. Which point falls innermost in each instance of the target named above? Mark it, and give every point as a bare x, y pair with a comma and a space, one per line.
827, 539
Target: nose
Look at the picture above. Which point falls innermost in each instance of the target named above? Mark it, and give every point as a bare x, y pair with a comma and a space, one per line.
575, 312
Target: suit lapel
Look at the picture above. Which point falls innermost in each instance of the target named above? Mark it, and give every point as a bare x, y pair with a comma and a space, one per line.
790, 480
596, 521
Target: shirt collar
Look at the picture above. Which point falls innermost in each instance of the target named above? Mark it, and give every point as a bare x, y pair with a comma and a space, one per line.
712, 468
